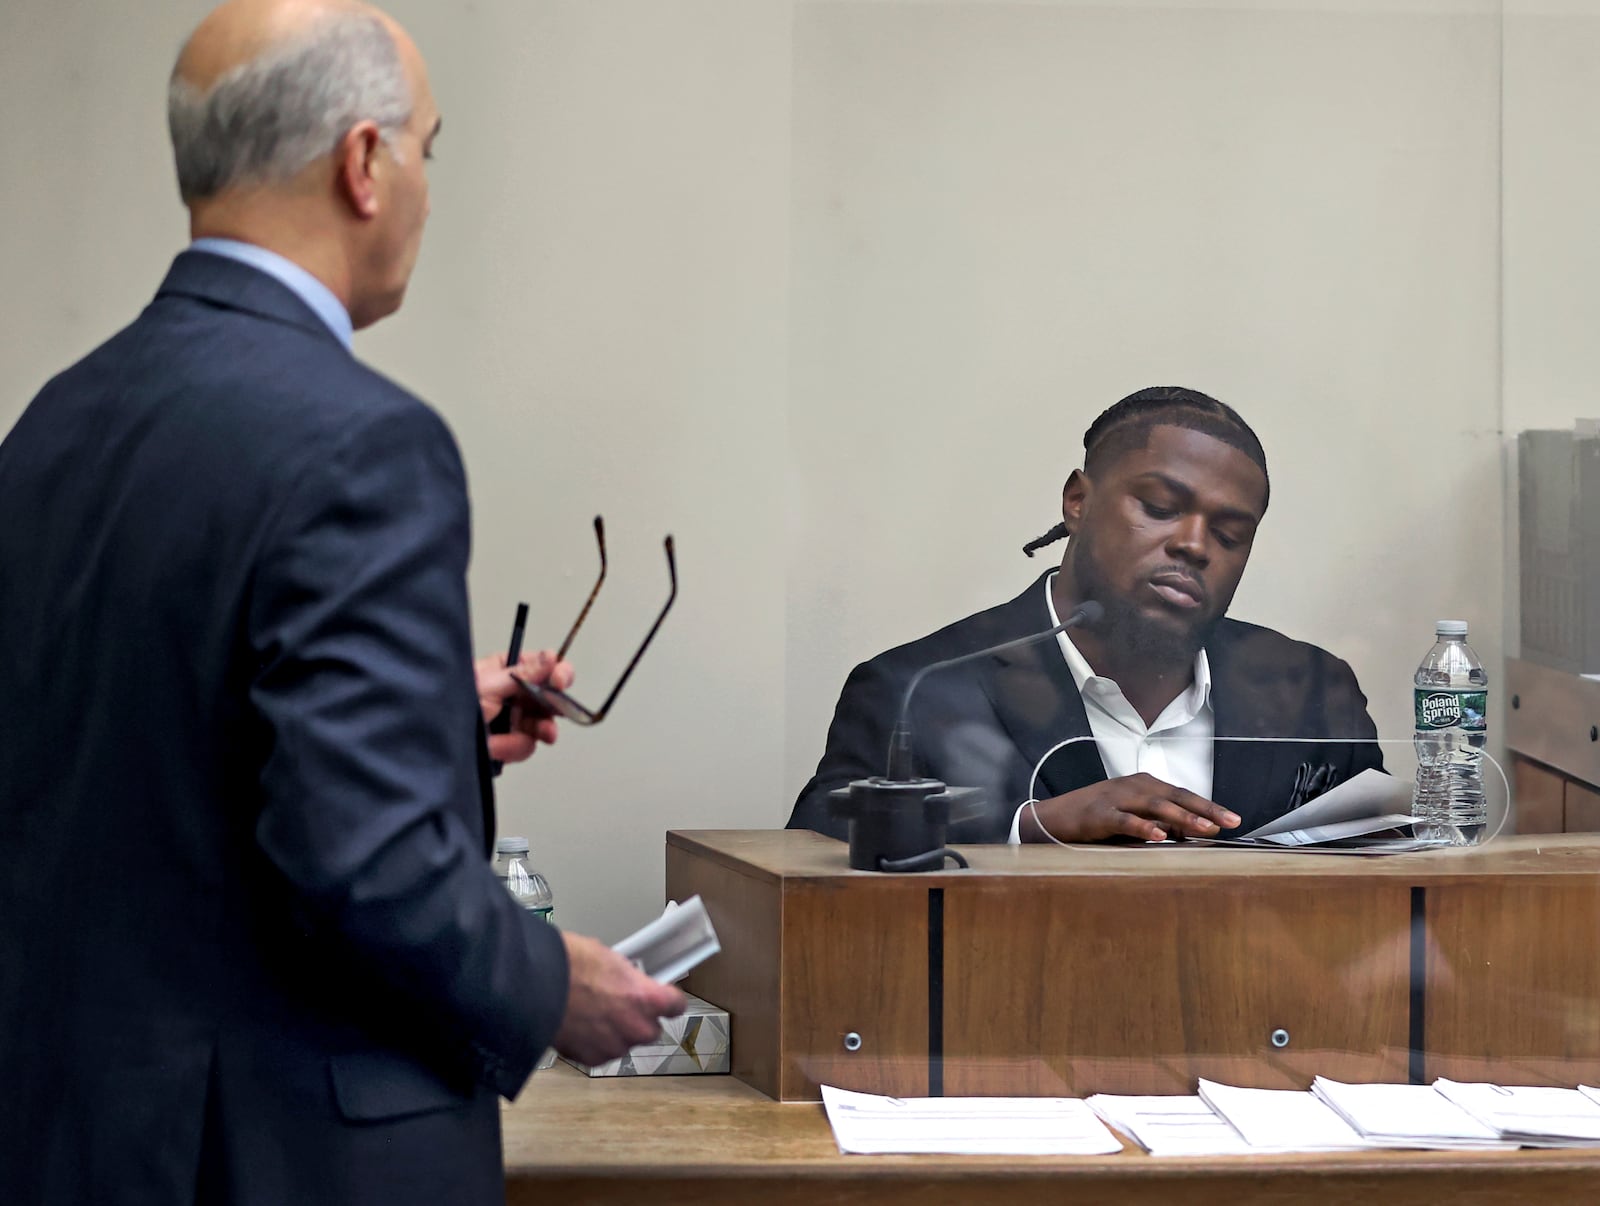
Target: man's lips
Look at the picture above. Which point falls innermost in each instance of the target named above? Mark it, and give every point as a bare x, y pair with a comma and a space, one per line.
1180, 590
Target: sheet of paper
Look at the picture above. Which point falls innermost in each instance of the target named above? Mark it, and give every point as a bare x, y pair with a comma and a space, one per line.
1371, 793
866, 1124
1170, 1126
1282, 1119
1532, 1114
674, 944
1337, 831
1407, 1116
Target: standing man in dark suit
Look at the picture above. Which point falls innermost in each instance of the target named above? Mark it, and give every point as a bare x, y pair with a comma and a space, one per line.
251, 949
1160, 522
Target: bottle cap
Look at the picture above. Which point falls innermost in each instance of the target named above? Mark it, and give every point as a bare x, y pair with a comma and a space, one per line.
511, 845
1450, 628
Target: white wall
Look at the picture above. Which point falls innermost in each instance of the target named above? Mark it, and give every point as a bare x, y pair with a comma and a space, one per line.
830, 291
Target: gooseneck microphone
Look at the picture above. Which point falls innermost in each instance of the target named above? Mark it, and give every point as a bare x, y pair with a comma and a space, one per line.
898, 822
901, 766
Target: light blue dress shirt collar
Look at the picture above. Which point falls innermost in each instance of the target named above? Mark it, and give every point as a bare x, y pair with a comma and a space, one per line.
293, 277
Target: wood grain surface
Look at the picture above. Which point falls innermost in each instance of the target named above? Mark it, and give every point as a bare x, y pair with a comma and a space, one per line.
712, 1141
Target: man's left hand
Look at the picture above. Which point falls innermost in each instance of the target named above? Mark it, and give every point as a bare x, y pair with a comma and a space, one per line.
530, 725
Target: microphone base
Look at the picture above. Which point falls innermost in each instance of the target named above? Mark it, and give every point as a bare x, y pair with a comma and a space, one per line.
896, 821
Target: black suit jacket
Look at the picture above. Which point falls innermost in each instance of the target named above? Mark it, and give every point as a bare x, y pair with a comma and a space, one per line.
251, 941
986, 724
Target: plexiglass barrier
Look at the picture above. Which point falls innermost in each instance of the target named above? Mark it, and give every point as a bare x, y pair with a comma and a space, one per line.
1141, 967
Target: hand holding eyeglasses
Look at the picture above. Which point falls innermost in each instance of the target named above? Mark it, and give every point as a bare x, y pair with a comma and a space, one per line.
548, 694
516, 729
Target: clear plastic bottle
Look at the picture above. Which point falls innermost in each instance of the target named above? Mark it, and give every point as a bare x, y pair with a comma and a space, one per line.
526, 885
530, 890
1451, 709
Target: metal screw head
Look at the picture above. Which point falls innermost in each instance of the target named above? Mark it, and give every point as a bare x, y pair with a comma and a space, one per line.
1280, 1038
852, 1041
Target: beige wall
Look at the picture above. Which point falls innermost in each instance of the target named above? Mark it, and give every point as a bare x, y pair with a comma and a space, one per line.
831, 290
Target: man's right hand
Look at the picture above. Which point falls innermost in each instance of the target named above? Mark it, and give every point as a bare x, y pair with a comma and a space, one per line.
611, 1004
1138, 806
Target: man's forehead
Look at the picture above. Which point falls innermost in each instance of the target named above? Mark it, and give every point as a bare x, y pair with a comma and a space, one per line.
1197, 460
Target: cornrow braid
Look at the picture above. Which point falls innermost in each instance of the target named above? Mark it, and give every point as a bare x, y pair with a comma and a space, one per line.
1054, 534
1126, 424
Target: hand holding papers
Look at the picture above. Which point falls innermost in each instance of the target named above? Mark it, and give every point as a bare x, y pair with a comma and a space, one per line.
674, 944
866, 1124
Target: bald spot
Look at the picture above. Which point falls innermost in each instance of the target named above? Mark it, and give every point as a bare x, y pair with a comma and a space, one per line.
241, 30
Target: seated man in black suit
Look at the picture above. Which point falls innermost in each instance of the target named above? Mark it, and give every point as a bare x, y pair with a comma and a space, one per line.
1159, 525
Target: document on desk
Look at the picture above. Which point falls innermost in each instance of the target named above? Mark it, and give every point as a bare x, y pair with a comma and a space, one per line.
1532, 1115
1408, 1116
674, 944
1369, 814
1171, 1126
866, 1124
1284, 1120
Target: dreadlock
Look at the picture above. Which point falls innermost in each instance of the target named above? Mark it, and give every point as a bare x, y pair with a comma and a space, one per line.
1126, 425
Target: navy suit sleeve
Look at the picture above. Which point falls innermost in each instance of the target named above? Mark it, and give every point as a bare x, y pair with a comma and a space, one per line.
369, 796
858, 744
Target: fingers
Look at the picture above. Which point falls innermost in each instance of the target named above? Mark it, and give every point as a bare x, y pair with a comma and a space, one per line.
611, 1004
1137, 806
543, 667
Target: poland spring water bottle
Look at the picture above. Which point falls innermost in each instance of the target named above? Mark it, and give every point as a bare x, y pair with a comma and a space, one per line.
527, 887
1451, 697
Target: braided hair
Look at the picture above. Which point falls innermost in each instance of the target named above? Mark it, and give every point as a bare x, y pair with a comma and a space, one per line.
1126, 425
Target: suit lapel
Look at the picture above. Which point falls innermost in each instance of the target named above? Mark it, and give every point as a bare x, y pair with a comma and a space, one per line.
1253, 778
1036, 701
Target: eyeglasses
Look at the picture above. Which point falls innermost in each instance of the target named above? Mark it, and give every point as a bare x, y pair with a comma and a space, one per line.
559, 702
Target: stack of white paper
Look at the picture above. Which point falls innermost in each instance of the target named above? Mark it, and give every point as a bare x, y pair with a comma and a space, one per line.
1530, 1115
1170, 1126
1407, 1116
1282, 1119
674, 944
866, 1124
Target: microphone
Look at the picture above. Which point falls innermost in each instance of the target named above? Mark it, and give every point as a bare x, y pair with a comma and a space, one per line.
898, 821
901, 766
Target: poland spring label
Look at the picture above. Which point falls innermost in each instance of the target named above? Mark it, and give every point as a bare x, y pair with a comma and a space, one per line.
1467, 710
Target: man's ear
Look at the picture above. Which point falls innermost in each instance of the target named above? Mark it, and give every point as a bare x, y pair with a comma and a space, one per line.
1074, 497
358, 160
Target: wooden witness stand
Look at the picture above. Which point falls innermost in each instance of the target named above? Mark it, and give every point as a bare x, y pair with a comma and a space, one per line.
1070, 972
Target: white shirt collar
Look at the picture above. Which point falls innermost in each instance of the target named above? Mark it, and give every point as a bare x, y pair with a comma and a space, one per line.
317, 296
1093, 686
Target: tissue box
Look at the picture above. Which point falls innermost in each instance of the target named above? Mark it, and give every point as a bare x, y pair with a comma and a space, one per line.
694, 1043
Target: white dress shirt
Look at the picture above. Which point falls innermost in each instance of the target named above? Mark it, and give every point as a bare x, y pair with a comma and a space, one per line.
1175, 749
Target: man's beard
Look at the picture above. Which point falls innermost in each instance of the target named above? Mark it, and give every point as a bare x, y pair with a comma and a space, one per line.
1127, 627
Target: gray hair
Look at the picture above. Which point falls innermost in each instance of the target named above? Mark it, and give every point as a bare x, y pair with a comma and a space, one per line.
266, 120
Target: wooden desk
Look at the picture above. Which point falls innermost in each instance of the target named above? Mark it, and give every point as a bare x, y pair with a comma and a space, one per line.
1135, 970
713, 1141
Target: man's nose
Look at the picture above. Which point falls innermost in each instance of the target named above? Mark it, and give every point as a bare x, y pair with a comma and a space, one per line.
1188, 539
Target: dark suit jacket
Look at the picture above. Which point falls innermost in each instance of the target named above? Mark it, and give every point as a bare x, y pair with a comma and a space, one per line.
250, 938
986, 724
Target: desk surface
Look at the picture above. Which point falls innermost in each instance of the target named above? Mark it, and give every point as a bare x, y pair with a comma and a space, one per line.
710, 1140
802, 855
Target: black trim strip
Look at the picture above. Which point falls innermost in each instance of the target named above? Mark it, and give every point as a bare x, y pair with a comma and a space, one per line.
935, 992
1419, 985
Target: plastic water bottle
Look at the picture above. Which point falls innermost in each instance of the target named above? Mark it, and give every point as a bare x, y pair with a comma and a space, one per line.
530, 890
1451, 701
526, 885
